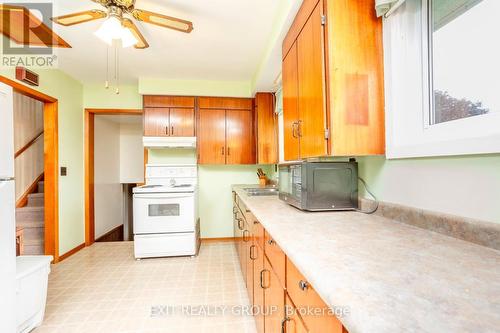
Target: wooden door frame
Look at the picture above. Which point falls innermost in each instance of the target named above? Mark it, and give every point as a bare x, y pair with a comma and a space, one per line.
89, 164
51, 163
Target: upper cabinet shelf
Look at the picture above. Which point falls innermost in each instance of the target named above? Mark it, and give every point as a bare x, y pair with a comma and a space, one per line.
333, 99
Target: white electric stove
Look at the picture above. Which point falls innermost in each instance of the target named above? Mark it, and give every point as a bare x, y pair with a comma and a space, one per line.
166, 212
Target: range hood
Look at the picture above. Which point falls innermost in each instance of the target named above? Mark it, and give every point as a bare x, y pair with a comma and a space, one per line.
169, 142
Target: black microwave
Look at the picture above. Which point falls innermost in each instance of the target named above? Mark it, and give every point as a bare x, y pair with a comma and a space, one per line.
319, 186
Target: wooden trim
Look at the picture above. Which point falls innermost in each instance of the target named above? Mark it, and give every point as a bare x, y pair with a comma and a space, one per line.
115, 111
218, 240
23, 200
29, 144
71, 252
89, 118
27, 91
114, 235
89, 178
51, 163
51, 179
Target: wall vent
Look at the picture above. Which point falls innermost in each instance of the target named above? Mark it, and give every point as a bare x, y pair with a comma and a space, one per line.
25, 75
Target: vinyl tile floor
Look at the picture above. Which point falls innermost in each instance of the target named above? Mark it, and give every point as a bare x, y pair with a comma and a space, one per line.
103, 288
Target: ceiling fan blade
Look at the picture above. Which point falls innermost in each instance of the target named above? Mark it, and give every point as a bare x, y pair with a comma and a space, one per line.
142, 43
81, 17
163, 20
101, 2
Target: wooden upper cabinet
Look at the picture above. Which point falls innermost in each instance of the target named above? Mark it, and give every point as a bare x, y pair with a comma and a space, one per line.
311, 101
333, 81
225, 103
211, 134
290, 105
181, 122
239, 137
356, 73
267, 129
156, 101
156, 122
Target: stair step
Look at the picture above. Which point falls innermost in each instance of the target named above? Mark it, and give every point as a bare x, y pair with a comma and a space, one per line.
36, 199
30, 250
41, 186
27, 214
32, 234
30, 224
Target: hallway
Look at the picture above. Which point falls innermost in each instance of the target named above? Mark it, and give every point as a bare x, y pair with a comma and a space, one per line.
103, 289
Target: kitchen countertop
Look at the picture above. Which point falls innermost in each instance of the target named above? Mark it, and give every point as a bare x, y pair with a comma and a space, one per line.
391, 277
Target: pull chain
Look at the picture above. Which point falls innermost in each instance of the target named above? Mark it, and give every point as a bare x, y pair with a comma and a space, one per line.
117, 68
106, 83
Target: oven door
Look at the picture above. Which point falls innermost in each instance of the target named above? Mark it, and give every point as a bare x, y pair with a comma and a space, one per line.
164, 212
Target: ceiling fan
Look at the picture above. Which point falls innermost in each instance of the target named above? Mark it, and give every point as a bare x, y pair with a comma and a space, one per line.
117, 26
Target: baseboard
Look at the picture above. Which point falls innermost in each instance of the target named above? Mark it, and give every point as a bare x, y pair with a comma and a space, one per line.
114, 235
23, 200
71, 252
218, 240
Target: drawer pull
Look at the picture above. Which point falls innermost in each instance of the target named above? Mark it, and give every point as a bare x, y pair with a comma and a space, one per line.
239, 225
283, 323
251, 252
262, 279
255, 222
246, 233
271, 242
303, 285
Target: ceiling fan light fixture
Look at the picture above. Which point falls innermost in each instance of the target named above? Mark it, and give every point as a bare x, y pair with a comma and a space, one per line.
110, 30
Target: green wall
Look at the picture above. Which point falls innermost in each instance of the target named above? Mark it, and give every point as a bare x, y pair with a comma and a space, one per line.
149, 86
467, 186
69, 93
214, 188
96, 96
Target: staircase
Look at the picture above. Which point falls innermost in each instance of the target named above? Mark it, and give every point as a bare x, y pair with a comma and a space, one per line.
32, 219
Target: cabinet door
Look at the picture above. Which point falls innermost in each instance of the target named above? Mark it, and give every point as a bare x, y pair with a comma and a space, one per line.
294, 323
181, 122
312, 110
258, 291
211, 136
250, 249
156, 122
290, 105
239, 137
274, 299
267, 132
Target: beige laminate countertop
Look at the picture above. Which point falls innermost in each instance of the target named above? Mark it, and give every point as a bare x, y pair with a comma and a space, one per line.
391, 277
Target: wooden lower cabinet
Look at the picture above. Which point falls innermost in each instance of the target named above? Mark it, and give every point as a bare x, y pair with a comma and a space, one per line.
274, 299
305, 297
293, 322
258, 291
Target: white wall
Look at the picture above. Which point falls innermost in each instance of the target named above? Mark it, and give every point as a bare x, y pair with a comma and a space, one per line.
107, 191
131, 153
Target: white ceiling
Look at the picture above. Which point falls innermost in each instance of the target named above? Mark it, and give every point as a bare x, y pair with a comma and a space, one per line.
228, 42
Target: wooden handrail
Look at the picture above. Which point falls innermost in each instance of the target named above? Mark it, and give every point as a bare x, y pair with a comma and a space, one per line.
26, 146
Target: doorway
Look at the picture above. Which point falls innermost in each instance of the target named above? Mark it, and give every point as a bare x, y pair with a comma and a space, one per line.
50, 165
113, 146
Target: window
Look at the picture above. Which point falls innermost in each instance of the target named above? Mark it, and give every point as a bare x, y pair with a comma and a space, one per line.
463, 58
442, 76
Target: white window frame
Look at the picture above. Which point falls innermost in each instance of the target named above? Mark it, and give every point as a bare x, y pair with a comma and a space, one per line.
409, 100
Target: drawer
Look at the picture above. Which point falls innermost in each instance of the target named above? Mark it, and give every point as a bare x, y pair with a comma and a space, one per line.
257, 230
276, 257
305, 297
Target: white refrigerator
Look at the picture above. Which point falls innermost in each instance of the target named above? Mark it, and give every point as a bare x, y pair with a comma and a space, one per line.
7, 213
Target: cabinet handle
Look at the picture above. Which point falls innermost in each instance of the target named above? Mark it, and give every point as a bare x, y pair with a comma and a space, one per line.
166, 130
303, 285
222, 150
299, 128
172, 130
228, 151
294, 128
255, 222
262, 279
239, 225
283, 323
245, 233
251, 253
271, 242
